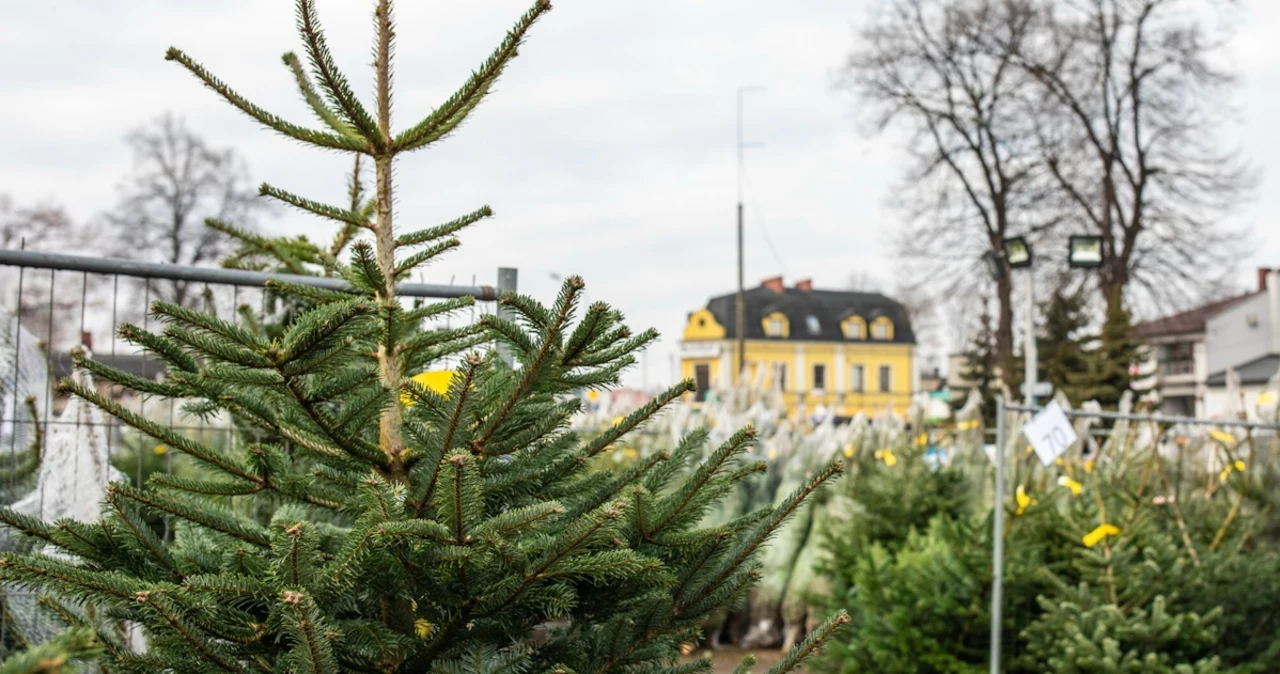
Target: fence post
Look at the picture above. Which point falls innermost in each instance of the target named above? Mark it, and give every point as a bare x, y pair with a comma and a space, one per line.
507, 283
997, 536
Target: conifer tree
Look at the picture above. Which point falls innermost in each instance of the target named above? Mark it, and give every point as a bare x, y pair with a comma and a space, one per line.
1107, 371
1061, 343
375, 525
980, 365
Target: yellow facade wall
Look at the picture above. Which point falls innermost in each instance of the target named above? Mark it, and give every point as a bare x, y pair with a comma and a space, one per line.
838, 396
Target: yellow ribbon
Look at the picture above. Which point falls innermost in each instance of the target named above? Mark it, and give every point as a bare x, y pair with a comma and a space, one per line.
1071, 484
1094, 537
848, 451
437, 380
771, 454
160, 450
1224, 438
887, 456
422, 627
1023, 500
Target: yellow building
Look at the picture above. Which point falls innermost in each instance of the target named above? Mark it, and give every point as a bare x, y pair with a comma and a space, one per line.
839, 351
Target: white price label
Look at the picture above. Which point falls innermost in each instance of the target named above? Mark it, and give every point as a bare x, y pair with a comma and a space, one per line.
1050, 433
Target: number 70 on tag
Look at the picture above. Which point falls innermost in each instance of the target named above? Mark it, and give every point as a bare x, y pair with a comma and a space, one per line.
1050, 433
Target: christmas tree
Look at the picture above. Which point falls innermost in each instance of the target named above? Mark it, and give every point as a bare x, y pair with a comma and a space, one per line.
1061, 343
980, 366
373, 524
1108, 368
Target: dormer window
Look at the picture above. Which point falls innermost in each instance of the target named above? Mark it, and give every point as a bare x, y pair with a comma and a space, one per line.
854, 327
776, 325
882, 329
811, 322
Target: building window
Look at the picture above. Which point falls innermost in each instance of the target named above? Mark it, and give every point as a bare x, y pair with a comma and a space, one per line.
820, 377
1177, 358
882, 329
811, 322
854, 328
857, 379
773, 327
885, 379
702, 379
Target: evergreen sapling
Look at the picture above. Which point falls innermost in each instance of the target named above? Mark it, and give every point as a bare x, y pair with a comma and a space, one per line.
376, 525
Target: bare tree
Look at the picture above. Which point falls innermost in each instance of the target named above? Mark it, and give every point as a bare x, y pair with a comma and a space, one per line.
1133, 97
38, 227
178, 182
943, 71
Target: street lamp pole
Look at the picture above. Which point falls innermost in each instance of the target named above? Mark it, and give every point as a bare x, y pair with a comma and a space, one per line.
1031, 366
740, 302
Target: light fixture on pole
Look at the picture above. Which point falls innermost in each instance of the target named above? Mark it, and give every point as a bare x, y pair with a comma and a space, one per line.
994, 264
1084, 251
1017, 252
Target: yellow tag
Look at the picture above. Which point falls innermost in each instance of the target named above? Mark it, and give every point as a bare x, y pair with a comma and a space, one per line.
887, 456
1023, 500
437, 380
1094, 537
922, 440
1266, 398
1240, 465
422, 627
773, 454
592, 395
160, 450
617, 420
1224, 438
630, 453
1071, 484
1030, 449
1059, 461
1088, 466
848, 451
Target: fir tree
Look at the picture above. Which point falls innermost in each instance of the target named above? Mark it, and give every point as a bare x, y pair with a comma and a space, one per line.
375, 525
981, 366
1108, 366
1061, 343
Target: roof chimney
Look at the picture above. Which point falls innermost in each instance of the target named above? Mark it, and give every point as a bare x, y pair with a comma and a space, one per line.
774, 283
1263, 272
805, 286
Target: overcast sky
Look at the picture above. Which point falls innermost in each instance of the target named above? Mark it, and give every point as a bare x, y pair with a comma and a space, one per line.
607, 150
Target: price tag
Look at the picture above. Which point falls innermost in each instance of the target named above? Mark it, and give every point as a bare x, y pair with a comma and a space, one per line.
1050, 433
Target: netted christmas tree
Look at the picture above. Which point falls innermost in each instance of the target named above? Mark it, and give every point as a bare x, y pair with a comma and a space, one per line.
373, 524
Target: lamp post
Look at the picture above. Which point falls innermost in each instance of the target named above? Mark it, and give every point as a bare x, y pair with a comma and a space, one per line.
740, 303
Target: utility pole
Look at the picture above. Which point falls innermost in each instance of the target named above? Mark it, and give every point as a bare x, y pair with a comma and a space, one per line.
740, 305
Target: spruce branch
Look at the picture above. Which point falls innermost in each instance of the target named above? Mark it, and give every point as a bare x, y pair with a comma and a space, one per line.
313, 99
440, 231
423, 256
56, 656
801, 651
314, 207
332, 81
455, 109
165, 434
309, 136
203, 513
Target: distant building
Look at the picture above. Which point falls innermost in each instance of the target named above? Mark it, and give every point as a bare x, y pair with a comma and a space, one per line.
1193, 349
839, 350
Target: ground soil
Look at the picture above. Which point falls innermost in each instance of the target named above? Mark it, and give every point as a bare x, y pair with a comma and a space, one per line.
726, 659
